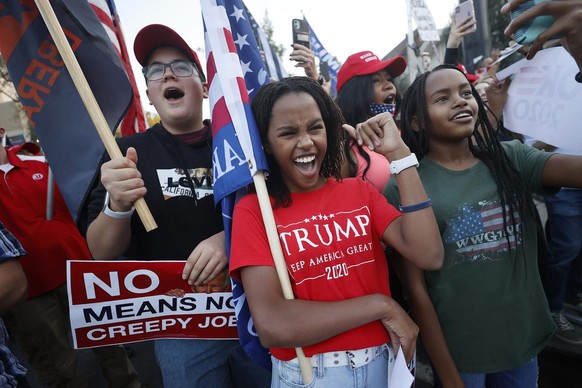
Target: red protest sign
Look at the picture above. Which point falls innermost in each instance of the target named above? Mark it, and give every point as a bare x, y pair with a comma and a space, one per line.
115, 302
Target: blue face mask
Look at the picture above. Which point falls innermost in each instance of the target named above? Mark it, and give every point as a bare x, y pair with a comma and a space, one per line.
376, 109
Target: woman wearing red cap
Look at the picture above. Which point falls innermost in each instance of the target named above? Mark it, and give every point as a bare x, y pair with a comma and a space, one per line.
365, 88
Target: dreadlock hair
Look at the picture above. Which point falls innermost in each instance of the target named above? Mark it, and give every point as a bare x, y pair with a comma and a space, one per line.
354, 100
483, 144
262, 107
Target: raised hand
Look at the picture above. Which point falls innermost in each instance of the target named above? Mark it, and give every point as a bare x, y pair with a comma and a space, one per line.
305, 59
458, 31
379, 134
568, 24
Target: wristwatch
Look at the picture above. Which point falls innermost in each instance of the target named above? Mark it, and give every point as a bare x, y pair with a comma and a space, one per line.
397, 166
113, 214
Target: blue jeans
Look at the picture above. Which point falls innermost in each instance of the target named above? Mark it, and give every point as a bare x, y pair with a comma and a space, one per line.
562, 272
525, 376
196, 363
287, 374
207, 363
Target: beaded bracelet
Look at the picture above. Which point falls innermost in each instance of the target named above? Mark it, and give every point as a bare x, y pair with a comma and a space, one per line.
415, 207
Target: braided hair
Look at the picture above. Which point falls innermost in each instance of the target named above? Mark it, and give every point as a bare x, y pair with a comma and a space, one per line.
483, 144
262, 107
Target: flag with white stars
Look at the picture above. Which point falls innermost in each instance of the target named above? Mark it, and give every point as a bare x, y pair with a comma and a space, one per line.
324, 56
476, 231
272, 60
235, 71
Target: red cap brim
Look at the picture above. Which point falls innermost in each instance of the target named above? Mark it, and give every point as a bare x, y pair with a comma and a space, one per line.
157, 35
395, 66
356, 65
28, 146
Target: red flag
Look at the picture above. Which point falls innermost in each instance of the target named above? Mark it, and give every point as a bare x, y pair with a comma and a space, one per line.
134, 120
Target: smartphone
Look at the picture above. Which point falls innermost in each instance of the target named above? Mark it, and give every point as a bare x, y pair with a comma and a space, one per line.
301, 32
324, 70
530, 30
464, 11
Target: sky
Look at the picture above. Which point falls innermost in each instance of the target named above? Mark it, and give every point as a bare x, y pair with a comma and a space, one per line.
343, 29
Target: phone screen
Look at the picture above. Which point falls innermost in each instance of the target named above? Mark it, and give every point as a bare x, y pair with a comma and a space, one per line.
300, 32
324, 70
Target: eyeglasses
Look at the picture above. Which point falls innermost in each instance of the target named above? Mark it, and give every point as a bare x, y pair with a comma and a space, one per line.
156, 71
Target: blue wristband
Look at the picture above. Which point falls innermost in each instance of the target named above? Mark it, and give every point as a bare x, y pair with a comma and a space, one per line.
415, 207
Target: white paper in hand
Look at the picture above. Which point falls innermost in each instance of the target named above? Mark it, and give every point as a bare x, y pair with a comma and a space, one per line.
400, 376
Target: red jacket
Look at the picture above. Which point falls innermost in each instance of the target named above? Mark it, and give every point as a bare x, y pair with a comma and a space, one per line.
23, 211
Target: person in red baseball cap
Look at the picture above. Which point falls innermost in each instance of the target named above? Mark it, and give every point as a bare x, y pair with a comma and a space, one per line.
174, 176
27, 149
153, 36
365, 63
473, 78
365, 88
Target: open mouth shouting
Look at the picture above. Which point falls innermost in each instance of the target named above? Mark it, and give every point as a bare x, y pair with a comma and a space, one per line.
391, 99
306, 163
173, 94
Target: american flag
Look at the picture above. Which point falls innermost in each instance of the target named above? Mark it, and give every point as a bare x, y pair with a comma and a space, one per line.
324, 56
235, 72
134, 120
481, 230
272, 61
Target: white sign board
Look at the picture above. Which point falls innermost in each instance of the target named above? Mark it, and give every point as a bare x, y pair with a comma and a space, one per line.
424, 22
544, 100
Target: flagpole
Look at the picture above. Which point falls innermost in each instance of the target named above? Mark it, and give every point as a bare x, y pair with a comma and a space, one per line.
278, 258
50, 194
228, 72
88, 98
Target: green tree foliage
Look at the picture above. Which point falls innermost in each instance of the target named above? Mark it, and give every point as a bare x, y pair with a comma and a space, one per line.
497, 24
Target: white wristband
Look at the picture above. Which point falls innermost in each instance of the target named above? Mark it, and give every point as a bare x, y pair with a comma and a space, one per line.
397, 166
114, 214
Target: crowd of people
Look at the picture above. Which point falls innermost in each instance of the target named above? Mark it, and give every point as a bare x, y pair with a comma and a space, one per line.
402, 214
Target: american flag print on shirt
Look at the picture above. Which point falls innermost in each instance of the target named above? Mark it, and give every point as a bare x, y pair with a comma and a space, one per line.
477, 231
